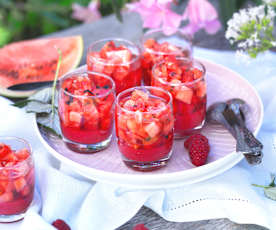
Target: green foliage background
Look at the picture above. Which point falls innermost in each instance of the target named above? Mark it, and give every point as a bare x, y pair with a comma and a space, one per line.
23, 19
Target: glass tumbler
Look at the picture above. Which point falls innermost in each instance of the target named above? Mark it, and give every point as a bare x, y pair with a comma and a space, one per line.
144, 127
185, 80
118, 58
158, 46
86, 110
17, 178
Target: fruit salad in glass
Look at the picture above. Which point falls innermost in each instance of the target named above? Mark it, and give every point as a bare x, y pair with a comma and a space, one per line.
86, 110
16, 178
117, 58
185, 80
144, 127
157, 46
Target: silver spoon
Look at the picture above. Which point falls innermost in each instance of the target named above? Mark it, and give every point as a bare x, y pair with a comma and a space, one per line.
241, 109
222, 114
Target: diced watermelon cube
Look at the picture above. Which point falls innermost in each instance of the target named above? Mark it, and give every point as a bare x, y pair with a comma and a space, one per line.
185, 95
75, 117
152, 129
138, 94
131, 125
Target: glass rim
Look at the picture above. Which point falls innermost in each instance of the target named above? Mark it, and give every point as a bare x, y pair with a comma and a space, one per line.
182, 83
158, 30
144, 87
71, 74
105, 40
22, 140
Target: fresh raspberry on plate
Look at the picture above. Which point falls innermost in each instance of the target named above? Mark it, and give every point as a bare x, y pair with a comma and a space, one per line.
140, 227
198, 147
60, 225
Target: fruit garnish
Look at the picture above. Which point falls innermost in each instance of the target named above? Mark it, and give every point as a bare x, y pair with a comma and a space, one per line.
198, 148
140, 227
61, 225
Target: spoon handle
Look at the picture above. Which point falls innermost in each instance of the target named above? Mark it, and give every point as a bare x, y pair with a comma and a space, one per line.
247, 144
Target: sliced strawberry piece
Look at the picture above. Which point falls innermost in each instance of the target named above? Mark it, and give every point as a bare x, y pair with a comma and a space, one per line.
201, 89
6, 197
19, 184
4, 150
22, 154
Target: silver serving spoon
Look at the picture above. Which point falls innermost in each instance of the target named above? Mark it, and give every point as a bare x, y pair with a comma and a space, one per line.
221, 113
241, 109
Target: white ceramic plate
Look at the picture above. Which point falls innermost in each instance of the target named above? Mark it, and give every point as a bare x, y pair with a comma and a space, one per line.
107, 166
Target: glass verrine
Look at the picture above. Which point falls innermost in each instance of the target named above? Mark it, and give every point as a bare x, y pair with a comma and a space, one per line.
118, 58
17, 178
86, 110
144, 127
158, 46
185, 80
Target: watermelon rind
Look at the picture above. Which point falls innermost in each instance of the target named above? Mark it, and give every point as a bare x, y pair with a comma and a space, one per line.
26, 93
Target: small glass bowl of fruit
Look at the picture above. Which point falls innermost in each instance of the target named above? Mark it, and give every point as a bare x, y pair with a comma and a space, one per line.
118, 58
185, 80
86, 110
158, 46
144, 127
17, 178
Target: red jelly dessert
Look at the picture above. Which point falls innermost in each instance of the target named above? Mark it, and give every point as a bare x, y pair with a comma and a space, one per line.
144, 125
86, 107
119, 59
16, 180
158, 46
184, 79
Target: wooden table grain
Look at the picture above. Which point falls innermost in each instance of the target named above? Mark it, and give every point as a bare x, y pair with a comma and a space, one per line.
131, 29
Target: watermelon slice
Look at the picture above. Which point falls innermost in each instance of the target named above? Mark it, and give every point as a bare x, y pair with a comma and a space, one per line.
35, 61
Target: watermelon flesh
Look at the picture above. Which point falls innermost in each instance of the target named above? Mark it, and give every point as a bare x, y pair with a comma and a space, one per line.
36, 60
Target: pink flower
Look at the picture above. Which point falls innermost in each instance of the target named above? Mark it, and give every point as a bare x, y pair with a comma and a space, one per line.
156, 14
201, 15
86, 14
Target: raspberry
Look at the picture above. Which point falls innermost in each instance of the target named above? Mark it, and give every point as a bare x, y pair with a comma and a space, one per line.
60, 225
140, 227
198, 148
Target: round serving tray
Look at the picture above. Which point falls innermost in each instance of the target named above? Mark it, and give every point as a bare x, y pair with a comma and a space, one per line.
107, 166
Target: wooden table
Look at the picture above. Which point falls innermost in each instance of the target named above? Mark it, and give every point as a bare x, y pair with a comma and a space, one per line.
131, 29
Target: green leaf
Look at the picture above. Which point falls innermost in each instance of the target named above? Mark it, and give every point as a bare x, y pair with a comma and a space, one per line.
51, 123
53, 99
272, 184
5, 35
38, 107
270, 193
43, 95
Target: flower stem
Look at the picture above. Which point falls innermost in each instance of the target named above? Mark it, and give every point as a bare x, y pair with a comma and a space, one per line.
55, 81
260, 186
